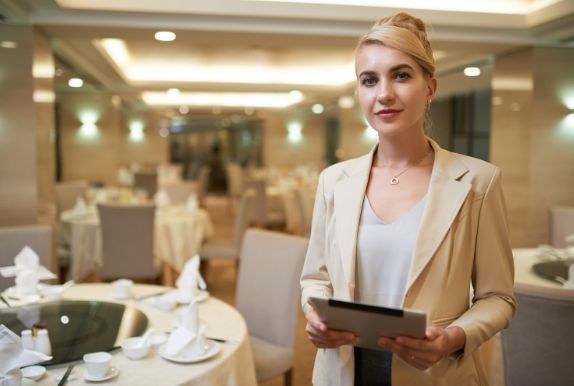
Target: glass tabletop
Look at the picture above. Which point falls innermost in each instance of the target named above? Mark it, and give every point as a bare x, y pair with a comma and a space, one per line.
78, 327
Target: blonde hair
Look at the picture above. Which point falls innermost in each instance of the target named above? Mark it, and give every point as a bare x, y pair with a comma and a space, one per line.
405, 33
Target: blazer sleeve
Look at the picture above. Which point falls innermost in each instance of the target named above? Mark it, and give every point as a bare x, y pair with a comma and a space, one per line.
315, 280
493, 272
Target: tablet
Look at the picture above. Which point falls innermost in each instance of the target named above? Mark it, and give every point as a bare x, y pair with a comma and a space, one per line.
369, 321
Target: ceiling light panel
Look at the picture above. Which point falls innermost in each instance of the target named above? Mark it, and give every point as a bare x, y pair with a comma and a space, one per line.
182, 63
223, 99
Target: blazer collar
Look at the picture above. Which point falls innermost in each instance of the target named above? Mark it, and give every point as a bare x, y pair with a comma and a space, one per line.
445, 196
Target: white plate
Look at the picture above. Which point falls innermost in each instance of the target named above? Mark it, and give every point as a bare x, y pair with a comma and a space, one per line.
33, 372
212, 350
112, 372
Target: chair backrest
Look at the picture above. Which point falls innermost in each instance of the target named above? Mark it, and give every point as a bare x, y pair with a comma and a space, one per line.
179, 192
146, 181
14, 238
68, 192
243, 219
127, 241
268, 284
234, 179
203, 181
258, 213
561, 225
538, 346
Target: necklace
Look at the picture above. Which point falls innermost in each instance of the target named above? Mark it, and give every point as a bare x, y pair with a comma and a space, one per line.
395, 180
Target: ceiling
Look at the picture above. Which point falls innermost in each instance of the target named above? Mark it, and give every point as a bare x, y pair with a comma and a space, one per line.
269, 46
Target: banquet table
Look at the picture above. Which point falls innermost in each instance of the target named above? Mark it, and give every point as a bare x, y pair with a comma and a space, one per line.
233, 365
178, 236
524, 260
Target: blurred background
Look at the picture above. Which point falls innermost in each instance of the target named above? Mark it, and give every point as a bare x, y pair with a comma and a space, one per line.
91, 86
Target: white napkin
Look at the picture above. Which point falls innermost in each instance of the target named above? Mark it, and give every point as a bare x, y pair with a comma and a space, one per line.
189, 279
27, 260
161, 199
27, 282
13, 355
188, 339
191, 205
80, 207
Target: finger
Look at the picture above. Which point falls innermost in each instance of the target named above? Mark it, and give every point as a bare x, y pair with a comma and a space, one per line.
414, 344
432, 333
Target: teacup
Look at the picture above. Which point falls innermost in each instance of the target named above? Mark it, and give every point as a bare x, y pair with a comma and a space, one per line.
97, 363
122, 288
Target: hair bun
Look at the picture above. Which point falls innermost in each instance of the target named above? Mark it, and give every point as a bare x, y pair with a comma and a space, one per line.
405, 20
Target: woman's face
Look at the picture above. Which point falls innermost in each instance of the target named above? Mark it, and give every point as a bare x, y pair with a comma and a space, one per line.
392, 89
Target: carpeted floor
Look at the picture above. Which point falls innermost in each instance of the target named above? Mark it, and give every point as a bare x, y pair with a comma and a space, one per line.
221, 280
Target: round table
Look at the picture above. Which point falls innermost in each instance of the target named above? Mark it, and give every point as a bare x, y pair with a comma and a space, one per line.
524, 259
233, 365
178, 236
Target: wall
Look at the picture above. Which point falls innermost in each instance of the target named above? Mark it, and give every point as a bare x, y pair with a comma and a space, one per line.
26, 149
95, 149
530, 139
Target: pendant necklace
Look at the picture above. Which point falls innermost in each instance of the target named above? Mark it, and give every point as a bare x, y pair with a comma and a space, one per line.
395, 180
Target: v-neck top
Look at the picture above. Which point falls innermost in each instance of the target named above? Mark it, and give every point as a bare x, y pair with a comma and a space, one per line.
384, 254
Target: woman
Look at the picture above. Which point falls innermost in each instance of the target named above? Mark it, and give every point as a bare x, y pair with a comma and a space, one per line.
408, 225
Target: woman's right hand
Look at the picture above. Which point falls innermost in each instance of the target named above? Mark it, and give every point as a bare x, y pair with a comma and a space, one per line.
321, 336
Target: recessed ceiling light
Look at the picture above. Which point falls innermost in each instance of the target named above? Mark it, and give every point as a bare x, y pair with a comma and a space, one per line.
317, 108
75, 82
472, 71
165, 36
219, 99
8, 44
59, 72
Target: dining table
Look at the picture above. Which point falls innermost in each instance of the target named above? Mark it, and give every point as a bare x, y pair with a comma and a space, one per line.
530, 263
178, 235
233, 363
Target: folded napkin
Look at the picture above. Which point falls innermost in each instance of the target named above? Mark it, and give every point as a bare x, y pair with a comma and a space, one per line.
161, 199
27, 260
13, 355
191, 204
189, 279
80, 207
188, 339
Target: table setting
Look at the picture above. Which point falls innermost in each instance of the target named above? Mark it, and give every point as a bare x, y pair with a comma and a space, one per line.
155, 334
545, 266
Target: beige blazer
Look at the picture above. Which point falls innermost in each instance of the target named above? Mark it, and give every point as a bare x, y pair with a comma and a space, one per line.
462, 243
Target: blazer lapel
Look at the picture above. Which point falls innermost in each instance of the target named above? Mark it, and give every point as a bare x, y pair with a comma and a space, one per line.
446, 194
349, 194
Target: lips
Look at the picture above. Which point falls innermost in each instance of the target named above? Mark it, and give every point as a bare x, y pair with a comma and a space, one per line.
388, 113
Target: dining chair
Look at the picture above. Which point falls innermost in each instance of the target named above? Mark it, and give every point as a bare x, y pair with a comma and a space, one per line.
147, 181
262, 213
178, 193
268, 298
561, 226
229, 248
127, 241
538, 347
14, 238
203, 182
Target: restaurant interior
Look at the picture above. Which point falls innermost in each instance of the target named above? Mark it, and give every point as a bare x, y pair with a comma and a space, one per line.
159, 163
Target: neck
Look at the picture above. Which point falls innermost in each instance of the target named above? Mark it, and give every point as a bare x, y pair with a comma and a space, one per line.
401, 151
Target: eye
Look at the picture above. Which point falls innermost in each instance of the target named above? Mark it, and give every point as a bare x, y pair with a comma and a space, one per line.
402, 75
369, 81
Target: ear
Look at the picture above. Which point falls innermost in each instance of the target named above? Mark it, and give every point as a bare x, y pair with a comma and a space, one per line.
431, 88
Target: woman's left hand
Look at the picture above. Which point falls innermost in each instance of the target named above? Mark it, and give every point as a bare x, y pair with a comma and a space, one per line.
424, 353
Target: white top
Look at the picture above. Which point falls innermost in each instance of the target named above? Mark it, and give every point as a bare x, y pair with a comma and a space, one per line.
384, 253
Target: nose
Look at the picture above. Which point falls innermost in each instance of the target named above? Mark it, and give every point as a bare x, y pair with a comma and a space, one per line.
385, 94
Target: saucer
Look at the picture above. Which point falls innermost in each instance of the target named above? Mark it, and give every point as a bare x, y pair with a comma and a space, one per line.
213, 349
112, 372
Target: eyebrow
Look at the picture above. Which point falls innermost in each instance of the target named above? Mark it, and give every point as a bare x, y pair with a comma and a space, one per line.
392, 69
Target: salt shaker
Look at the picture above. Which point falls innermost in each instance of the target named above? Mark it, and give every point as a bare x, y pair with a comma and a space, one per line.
27, 340
43, 342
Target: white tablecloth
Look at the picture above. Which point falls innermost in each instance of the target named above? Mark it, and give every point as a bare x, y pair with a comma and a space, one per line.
178, 236
524, 259
233, 366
